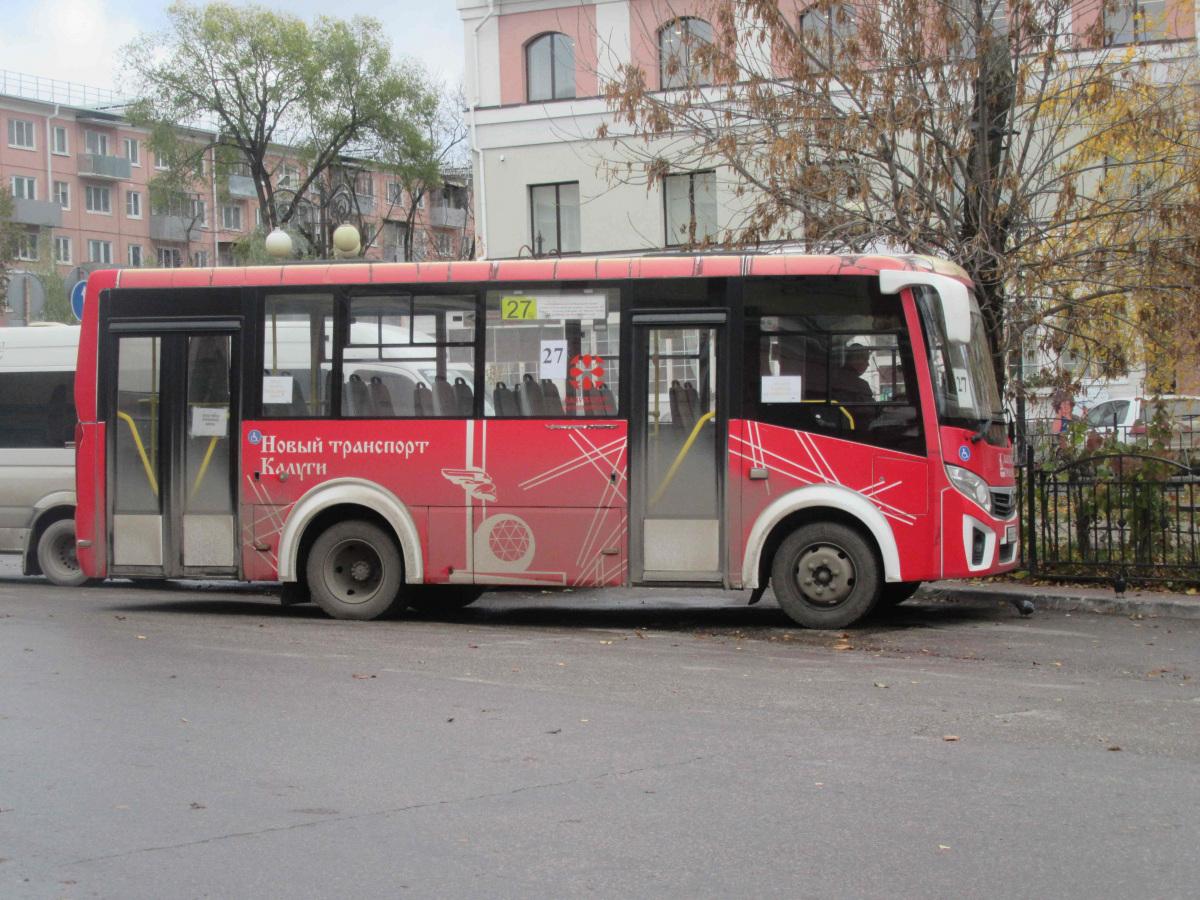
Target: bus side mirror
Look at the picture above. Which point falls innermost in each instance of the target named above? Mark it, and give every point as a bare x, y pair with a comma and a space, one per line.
954, 296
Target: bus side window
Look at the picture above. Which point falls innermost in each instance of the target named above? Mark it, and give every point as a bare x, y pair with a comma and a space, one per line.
552, 352
297, 355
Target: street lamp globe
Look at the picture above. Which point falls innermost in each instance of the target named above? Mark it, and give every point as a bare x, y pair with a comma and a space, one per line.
279, 244
346, 241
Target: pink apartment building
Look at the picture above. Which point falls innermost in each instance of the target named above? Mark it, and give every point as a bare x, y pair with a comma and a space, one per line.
80, 176
535, 79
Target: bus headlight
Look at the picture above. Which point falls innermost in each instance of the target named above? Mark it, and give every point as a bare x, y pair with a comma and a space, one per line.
971, 485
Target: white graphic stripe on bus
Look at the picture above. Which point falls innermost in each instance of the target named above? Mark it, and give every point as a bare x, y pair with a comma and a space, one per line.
871, 491
572, 464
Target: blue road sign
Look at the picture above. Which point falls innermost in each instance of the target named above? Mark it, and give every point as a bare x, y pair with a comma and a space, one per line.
77, 299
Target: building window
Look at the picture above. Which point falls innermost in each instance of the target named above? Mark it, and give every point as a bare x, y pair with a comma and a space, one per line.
200, 259
24, 188
395, 193
690, 205
133, 204
231, 217
99, 200
62, 194
419, 244
100, 252
826, 32
289, 176
443, 244
96, 143
1133, 22
161, 162
132, 152
61, 147
135, 255
555, 217
20, 134
27, 245
198, 211
260, 220
550, 67
678, 41
364, 184
170, 257
62, 249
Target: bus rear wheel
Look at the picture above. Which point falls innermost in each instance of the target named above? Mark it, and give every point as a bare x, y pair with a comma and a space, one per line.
825, 575
56, 554
355, 570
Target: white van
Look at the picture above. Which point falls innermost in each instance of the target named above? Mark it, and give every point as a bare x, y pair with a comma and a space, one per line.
37, 449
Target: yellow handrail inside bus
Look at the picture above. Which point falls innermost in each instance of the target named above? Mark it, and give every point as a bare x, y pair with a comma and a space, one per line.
203, 467
845, 412
137, 440
679, 458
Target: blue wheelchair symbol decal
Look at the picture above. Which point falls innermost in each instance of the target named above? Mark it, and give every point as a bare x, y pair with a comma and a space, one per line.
255, 436
964, 453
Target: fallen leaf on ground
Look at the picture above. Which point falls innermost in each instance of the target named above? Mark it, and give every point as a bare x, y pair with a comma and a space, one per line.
362, 676
950, 737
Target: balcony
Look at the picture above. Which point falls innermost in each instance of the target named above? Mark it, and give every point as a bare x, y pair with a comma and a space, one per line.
447, 217
173, 228
108, 168
45, 213
242, 186
365, 205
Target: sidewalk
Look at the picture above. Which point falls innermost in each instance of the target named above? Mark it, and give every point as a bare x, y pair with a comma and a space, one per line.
1068, 597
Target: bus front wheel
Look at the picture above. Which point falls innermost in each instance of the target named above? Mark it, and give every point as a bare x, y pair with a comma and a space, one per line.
825, 575
56, 554
355, 570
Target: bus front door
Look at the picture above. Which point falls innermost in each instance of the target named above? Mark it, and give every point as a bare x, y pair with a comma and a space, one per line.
172, 415
677, 448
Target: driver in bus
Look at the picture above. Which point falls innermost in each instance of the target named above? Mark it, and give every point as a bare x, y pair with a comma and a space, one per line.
850, 388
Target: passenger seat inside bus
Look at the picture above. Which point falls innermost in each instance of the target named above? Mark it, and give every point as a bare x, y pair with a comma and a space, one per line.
464, 396
551, 399
381, 399
530, 397
360, 398
445, 403
504, 401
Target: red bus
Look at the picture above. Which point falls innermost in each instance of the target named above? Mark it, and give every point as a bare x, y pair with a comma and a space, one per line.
375, 434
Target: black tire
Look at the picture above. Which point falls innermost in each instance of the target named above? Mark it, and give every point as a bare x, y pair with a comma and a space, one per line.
826, 575
355, 570
442, 598
893, 593
56, 554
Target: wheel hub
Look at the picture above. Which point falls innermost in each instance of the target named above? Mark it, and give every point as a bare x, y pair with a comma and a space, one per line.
360, 571
825, 575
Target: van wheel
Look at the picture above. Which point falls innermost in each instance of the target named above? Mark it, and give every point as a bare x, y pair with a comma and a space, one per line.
825, 575
442, 598
56, 554
355, 570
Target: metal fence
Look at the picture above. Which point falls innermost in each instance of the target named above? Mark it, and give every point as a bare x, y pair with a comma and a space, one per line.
1119, 517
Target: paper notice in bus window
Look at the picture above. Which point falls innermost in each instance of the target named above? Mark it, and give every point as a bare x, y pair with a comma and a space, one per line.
209, 421
277, 389
962, 386
553, 362
571, 306
781, 389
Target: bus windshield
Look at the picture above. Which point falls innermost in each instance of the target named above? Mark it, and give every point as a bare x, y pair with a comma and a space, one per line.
964, 382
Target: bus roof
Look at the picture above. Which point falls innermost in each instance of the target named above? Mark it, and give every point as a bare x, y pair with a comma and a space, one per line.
571, 268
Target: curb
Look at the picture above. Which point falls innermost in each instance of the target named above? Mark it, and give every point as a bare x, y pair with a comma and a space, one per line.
1118, 604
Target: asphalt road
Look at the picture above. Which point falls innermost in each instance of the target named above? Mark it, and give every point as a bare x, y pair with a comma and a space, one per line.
204, 742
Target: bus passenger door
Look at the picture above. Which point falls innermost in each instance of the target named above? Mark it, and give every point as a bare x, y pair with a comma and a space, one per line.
173, 410
677, 447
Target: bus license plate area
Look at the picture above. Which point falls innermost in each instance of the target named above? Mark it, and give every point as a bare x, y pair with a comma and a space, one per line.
1010, 534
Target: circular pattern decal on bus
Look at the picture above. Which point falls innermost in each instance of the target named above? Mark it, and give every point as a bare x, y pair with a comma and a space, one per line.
587, 372
503, 543
964, 453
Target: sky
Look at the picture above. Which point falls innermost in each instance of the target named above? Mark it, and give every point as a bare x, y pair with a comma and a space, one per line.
79, 40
